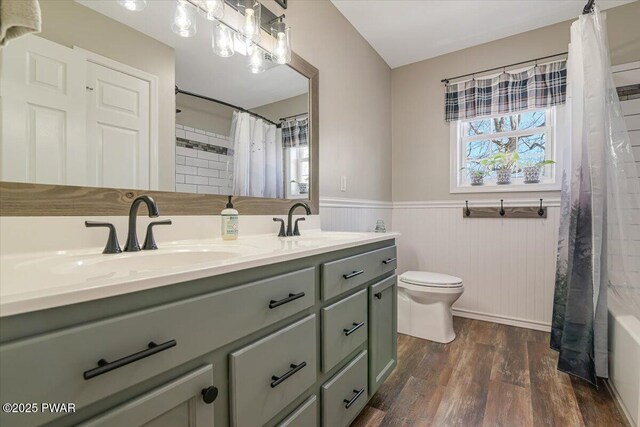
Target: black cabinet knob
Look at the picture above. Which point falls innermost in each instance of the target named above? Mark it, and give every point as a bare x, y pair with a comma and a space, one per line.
209, 394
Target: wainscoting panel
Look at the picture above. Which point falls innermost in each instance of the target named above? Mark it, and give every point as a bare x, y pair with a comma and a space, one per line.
507, 265
353, 214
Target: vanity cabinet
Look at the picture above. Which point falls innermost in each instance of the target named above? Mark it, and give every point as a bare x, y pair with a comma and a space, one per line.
383, 335
291, 344
186, 401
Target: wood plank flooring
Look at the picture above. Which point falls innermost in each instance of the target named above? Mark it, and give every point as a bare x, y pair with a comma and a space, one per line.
491, 375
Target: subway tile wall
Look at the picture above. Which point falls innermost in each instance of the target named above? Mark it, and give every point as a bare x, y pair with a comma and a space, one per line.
200, 171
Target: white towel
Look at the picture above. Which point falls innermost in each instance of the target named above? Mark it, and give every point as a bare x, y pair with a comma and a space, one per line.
17, 18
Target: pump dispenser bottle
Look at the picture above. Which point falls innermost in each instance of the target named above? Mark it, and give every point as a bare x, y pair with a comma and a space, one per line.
229, 217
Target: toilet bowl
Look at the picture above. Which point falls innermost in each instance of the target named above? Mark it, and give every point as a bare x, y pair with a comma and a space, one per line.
424, 305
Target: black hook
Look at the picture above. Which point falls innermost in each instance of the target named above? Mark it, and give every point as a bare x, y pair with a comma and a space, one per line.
502, 211
541, 210
467, 212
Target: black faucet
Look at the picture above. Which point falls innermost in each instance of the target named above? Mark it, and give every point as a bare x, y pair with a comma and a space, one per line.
290, 217
132, 244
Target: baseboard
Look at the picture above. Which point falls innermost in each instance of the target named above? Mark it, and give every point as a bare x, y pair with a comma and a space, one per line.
619, 403
511, 321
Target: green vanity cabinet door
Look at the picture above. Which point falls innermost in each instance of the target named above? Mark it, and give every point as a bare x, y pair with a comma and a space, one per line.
383, 344
347, 273
305, 415
179, 403
344, 328
344, 395
269, 374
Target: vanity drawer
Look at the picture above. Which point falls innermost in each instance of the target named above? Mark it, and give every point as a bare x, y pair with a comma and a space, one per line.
64, 364
344, 274
344, 328
305, 415
344, 395
271, 373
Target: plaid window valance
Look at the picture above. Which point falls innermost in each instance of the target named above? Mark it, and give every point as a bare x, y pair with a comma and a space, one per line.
295, 133
539, 87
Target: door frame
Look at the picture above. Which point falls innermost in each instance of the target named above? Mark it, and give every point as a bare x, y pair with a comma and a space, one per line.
154, 132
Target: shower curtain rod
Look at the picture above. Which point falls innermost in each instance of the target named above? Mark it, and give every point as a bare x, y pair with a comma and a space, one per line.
244, 110
446, 79
588, 8
294, 116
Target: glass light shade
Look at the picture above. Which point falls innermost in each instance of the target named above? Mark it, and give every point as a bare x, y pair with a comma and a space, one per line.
133, 5
184, 19
211, 9
282, 44
256, 61
250, 26
222, 40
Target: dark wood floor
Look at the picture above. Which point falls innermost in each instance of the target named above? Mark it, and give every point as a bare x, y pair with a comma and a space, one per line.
491, 375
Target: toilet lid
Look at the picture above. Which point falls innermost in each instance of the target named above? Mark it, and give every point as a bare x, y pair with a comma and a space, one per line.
426, 278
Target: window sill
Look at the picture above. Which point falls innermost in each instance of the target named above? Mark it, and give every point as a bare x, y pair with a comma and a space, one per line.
506, 188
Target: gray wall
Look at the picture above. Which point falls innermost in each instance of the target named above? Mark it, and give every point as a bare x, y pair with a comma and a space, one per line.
104, 36
285, 108
355, 100
420, 134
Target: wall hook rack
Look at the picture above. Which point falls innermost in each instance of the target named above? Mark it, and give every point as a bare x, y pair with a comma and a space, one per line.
536, 210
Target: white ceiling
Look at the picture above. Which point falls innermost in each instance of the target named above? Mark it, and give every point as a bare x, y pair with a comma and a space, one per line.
198, 68
406, 31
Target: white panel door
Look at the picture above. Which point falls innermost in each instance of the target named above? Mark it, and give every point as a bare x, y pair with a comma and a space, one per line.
117, 128
42, 136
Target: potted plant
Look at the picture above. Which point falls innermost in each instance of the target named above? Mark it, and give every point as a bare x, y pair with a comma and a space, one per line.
531, 170
504, 164
478, 171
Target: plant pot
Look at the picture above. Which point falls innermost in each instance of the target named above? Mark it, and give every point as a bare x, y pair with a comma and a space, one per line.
531, 174
477, 179
303, 187
503, 176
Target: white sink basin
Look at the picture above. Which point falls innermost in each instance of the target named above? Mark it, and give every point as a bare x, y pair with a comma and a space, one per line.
326, 237
141, 261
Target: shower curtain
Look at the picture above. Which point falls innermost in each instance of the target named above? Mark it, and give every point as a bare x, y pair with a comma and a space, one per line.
600, 205
257, 170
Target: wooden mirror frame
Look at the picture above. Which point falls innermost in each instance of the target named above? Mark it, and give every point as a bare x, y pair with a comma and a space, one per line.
24, 199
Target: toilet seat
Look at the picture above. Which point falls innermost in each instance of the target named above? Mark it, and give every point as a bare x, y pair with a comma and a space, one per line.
430, 280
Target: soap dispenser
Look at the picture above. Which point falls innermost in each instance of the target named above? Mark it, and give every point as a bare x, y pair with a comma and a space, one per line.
229, 217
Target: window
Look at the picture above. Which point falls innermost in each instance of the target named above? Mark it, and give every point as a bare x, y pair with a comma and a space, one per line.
483, 145
298, 180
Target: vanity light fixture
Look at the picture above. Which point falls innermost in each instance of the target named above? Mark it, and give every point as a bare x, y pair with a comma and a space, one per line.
226, 40
222, 40
184, 20
133, 5
211, 9
250, 26
282, 46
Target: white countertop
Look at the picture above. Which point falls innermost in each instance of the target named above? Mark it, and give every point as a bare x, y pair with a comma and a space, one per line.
37, 281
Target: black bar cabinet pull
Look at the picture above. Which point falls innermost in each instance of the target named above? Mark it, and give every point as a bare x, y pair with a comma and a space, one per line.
356, 326
389, 260
378, 295
354, 274
276, 381
104, 366
349, 402
292, 297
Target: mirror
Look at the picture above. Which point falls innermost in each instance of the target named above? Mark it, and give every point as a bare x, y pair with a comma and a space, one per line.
107, 97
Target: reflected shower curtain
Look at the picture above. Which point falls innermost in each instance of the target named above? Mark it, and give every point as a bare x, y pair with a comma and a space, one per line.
600, 203
257, 168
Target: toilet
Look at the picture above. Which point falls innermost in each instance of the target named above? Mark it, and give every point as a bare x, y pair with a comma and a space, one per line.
424, 305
